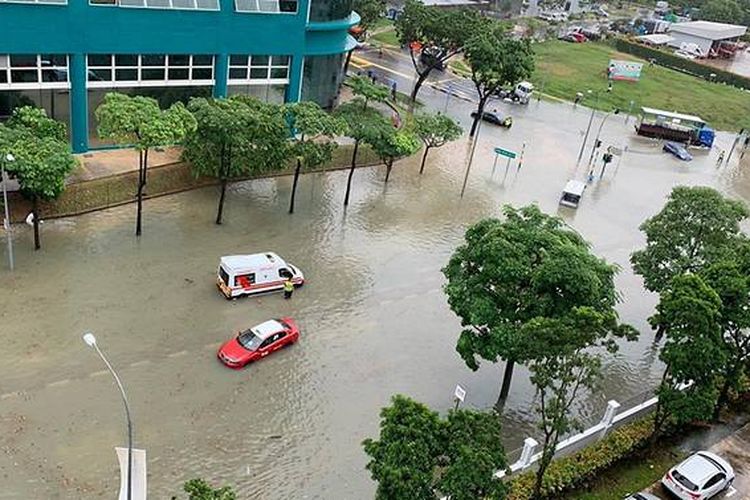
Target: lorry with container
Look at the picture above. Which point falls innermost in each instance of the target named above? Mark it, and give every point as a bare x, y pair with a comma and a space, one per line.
686, 129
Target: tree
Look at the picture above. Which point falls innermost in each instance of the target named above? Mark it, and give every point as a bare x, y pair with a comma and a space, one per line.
368, 90
435, 131
314, 130
434, 35
418, 453
361, 124
370, 12
138, 121
199, 489
37, 123
236, 137
391, 144
696, 228
689, 311
509, 272
496, 61
722, 11
563, 361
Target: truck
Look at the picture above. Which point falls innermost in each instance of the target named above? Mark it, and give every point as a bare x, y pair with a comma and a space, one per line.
687, 129
521, 93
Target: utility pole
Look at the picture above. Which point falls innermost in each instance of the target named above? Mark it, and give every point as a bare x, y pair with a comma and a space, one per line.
6, 221
471, 157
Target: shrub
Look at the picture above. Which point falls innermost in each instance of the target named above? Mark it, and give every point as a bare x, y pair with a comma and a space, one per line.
573, 470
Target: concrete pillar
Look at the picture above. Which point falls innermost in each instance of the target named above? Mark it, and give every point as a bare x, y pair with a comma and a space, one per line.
296, 74
529, 446
79, 104
609, 415
221, 75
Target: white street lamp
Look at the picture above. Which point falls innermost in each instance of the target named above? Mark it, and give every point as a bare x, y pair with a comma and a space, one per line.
6, 222
90, 341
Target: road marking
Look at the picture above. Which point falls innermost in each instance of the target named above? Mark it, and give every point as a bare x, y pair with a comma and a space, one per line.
360, 63
384, 68
98, 374
59, 383
140, 363
176, 354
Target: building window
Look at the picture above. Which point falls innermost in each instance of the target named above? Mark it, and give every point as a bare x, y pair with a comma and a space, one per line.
160, 4
34, 71
42, 2
266, 6
149, 70
258, 70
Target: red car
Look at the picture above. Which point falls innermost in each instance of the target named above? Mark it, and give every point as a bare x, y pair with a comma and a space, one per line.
258, 342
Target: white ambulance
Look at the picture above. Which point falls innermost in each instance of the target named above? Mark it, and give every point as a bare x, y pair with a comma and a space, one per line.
257, 273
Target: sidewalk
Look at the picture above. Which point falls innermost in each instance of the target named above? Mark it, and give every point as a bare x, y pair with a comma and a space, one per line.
104, 163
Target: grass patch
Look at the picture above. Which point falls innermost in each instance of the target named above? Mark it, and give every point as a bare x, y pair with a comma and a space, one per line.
386, 37
562, 69
630, 476
459, 67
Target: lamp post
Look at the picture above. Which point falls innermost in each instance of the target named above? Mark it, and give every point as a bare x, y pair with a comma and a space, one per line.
591, 119
598, 133
90, 341
6, 222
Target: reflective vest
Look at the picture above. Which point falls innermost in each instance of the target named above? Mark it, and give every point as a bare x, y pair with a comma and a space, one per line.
288, 286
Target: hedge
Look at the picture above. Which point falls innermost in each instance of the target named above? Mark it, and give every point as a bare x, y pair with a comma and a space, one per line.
573, 470
669, 60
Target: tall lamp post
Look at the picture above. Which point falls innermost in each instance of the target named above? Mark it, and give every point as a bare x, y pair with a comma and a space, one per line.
6, 222
598, 133
591, 119
90, 341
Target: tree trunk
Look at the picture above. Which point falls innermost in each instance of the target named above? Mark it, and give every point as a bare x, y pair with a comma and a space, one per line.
424, 157
724, 394
543, 465
35, 214
351, 173
348, 59
480, 110
417, 86
507, 377
143, 165
388, 167
220, 211
294, 185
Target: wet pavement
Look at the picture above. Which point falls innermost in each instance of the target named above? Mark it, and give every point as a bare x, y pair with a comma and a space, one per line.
373, 317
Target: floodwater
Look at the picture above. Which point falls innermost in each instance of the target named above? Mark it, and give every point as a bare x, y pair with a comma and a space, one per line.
373, 316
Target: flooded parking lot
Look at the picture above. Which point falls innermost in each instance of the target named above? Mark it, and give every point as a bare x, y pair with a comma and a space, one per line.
373, 317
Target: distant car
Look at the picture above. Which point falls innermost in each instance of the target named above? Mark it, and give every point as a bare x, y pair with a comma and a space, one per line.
258, 342
678, 150
700, 476
494, 119
574, 37
642, 496
684, 54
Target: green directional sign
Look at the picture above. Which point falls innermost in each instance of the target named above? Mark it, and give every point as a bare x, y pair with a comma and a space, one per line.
505, 152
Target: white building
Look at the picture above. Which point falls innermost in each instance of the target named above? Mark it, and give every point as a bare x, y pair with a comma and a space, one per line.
706, 35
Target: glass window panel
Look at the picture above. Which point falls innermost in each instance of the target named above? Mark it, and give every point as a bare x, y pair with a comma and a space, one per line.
179, 60
3, 61
179, 74
288, 5
126, 75
202, 73
238, 73
54, 60
203, 60
158, 3
268, 5
100, 60
3, 76
23, 61
152, 74
100, 75
279, 60
208, 4
183, 4
103, 2
154, 60
126, 60
54, 75
278, 72
258, 73
131, 3
238, 60
259, 61
247, 5
24, 76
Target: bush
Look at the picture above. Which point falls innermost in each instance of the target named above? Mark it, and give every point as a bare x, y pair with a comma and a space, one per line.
669, 60
573, 470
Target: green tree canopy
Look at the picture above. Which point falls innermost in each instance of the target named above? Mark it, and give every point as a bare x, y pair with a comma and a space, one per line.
509, 272
496, 61
435, 130
37, 123
696, 228
199, 489
723, 11
418, 453
367, 90
391, 144
434, 35
370, 12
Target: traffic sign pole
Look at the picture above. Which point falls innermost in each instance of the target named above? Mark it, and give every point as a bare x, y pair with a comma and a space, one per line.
494, 165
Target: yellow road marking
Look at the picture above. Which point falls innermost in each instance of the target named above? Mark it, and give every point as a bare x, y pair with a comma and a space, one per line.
384, 68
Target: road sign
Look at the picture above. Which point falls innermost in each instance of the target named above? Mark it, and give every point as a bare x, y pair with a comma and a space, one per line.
460, 393
505, 152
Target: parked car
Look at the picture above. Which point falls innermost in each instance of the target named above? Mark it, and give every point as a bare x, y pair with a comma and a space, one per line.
494, 118
642, 496
700, 476
258, 342
678, 150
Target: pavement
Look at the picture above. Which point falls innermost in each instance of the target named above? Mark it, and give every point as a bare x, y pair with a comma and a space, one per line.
734, 448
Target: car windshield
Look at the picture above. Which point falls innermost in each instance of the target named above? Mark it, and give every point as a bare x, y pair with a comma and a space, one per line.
687, 483
249, 340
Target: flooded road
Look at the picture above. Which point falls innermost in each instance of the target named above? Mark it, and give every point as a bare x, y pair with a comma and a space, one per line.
373, 317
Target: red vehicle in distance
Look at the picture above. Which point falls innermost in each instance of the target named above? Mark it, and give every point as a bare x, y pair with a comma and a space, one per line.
258, 342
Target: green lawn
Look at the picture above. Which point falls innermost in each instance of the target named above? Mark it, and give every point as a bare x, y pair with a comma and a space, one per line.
629, 476
563, 69
386, 37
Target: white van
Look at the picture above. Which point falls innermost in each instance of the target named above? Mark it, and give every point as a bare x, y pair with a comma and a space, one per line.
572, 193
257, 273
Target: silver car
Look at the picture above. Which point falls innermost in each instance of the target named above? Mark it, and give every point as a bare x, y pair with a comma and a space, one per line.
700, 476
642, 496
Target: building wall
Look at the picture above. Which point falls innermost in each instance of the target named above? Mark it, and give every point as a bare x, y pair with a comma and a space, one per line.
679, 38
78, 29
